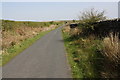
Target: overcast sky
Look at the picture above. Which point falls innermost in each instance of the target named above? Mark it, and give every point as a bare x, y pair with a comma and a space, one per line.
46, 11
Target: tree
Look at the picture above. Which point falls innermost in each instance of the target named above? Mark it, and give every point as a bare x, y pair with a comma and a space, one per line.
92, 16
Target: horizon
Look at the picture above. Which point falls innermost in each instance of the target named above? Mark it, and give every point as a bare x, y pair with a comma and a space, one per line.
35, 21
54, 11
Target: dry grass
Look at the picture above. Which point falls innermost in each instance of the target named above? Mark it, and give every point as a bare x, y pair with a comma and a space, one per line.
10, 38
112, 47
66, 29
111, 52
72, 32
75, 31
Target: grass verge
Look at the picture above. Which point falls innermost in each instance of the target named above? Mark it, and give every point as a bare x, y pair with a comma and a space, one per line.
76, 72
16, 49
84, 56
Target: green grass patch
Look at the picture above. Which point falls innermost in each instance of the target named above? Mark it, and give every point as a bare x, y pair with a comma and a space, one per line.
16, 49
87, 53
76, 71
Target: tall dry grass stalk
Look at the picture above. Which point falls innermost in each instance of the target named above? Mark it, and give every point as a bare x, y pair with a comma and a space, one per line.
112, 47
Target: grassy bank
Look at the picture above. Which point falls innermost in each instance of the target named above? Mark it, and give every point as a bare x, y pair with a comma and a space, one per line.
84, 55
15, 31
91, 56
16, 49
